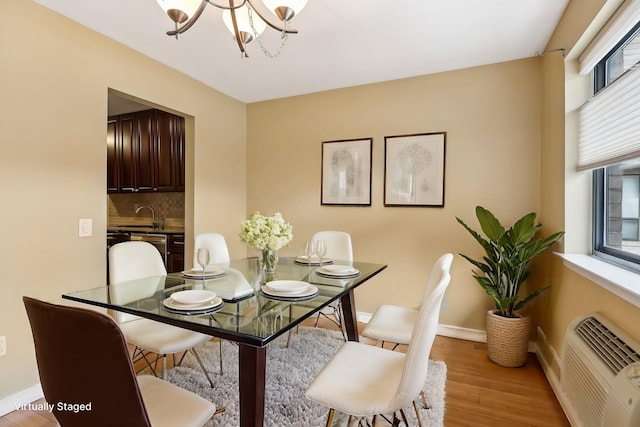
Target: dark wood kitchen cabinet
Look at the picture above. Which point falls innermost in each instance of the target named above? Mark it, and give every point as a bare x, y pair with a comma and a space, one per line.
167, 159
175, 255
113, 182
145, 152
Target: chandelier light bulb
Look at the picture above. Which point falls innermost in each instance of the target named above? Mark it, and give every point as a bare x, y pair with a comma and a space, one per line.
285, 9
244, 25
179, 10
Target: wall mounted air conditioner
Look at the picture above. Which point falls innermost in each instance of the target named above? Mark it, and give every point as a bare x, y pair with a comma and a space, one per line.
601, 373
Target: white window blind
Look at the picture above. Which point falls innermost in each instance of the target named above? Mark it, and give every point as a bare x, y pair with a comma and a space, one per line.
610, 124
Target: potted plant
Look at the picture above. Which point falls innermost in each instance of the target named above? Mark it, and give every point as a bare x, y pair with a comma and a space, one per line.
501, 273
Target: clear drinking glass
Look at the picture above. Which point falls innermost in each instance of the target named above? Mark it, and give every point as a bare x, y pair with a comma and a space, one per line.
203, 258
321, 249
309, 250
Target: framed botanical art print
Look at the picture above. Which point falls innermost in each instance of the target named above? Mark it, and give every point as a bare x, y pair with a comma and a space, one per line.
346, 172
414, 170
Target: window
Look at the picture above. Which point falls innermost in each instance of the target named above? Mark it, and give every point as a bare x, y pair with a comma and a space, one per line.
616, 228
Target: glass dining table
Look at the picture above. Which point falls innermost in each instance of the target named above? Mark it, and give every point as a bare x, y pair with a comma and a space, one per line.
249, 315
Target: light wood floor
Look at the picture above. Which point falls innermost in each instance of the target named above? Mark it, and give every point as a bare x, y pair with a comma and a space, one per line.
478, 392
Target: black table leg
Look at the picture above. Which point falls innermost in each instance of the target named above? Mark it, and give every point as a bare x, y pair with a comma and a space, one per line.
252, 364
349, 316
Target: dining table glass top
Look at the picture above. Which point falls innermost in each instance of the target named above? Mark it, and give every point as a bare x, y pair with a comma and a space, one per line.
247, 314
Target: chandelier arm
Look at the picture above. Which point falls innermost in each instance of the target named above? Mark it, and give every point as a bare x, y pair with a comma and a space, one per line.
226, 7
266, 18
190, 22
239, 40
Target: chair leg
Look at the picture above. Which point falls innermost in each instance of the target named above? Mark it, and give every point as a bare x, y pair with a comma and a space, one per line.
164, 366
364, 422
220, 356
317, 319
179, 361
424, 400
139, 354
404, 417
206, 374
338, 315
330, 417
415, 408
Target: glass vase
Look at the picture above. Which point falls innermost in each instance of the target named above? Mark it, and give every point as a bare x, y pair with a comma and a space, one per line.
269, 262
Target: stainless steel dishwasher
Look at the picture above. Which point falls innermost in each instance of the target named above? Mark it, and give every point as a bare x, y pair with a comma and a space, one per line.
157, 240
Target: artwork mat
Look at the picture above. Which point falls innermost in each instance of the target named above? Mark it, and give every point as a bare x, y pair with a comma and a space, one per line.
414, 170
346, 172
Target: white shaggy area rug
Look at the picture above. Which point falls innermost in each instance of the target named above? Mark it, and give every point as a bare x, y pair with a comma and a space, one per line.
289, 372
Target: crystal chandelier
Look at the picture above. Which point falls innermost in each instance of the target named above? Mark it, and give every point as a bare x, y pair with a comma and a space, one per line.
245, 19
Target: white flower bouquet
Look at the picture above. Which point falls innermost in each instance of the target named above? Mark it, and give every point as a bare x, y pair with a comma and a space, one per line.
266, 232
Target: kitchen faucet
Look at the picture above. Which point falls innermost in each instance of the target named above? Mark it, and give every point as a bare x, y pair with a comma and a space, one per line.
154, 222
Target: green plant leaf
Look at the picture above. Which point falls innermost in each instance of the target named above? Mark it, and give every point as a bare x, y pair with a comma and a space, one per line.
523, 230
491, 227
529, 297
483, 242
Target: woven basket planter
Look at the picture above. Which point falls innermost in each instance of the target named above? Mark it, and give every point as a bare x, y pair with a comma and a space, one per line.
507, 339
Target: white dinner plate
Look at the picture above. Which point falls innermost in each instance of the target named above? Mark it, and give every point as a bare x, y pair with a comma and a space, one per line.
196, 273
193, 296
287, 286
310, 291
303, 259
338, 271
174, 305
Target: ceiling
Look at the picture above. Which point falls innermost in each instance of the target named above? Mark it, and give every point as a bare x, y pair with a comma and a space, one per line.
340, 43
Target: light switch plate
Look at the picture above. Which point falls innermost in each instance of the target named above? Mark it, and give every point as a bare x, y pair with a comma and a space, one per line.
85, 227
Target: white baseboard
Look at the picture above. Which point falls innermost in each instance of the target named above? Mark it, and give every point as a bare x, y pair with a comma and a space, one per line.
462, 333
21, 398
363, 317
443, 330
553, 379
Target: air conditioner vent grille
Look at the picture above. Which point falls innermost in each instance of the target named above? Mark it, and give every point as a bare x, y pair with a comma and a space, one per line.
613, 351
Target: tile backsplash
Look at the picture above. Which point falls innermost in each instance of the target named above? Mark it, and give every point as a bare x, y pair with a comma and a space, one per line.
169, 206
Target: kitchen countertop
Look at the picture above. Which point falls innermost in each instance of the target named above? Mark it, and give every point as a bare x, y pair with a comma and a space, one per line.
144, 229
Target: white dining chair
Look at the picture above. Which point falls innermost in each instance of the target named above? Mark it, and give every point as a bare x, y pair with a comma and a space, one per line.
135, 260
340, 250
339, 247
364, 381
394, 323
217, 246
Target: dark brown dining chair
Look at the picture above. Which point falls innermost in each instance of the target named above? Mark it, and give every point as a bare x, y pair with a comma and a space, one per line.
88, 377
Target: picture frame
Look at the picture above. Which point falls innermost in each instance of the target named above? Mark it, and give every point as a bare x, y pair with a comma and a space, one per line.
346, 172
414, 170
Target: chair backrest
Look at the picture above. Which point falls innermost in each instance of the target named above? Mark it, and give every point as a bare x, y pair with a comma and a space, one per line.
442, 264
134, 260
217, 245
130, 261
83, 359
338, 244
424, 333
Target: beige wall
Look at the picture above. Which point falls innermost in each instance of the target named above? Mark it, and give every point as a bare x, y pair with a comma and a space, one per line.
491, 115
508, 148
54, 78
566, 201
